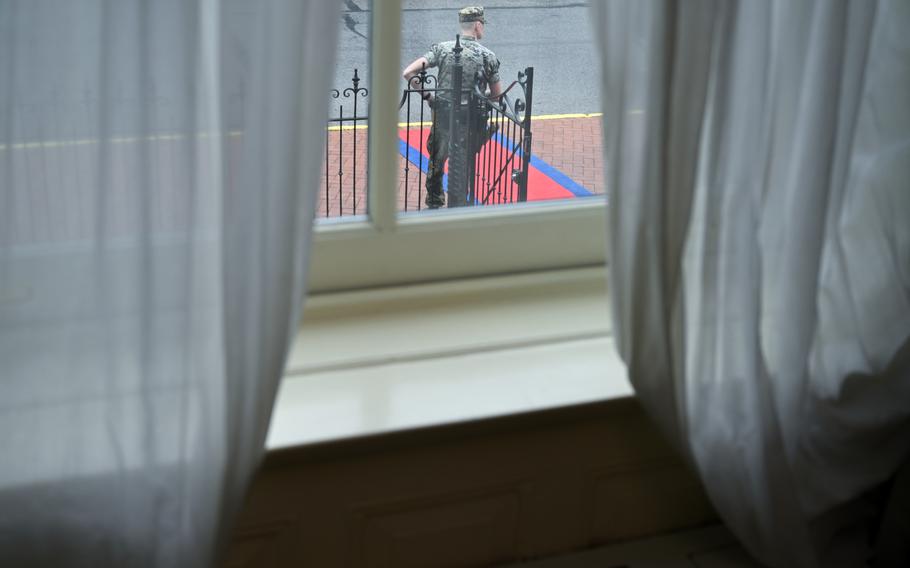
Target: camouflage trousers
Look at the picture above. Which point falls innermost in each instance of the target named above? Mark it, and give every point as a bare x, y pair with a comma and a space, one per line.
438, 147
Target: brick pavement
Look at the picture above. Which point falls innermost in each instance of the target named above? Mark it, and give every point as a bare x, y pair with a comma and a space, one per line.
572, 145
342, 186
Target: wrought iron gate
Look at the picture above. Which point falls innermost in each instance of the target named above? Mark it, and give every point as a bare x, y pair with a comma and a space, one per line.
489, 139
489, 142
344, 185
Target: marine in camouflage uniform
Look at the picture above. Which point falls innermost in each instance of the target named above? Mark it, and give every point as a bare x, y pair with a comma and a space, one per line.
480, 67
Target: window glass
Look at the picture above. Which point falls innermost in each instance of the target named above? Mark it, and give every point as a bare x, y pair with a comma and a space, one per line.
343, 191
540, 141
563, 164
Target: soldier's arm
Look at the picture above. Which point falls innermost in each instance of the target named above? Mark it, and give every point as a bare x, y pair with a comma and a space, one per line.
491, 65
495, 89
411, 70
414, 68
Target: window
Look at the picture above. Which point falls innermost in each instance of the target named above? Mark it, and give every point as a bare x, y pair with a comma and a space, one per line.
385, 248
343, 191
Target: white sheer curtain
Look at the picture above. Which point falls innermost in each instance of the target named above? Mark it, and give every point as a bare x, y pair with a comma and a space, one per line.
158, 161
759, 176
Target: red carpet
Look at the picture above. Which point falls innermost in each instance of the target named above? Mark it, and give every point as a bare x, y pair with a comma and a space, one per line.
540, 185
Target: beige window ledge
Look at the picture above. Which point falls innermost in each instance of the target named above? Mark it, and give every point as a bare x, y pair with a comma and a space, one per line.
394, 359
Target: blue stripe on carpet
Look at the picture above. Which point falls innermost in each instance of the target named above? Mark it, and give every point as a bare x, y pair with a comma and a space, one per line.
412, 154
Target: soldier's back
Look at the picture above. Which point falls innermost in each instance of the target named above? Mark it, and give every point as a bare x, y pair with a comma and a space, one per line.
478, 63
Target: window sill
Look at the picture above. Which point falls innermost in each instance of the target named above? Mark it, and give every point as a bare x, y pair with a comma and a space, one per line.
446, 244
387, 360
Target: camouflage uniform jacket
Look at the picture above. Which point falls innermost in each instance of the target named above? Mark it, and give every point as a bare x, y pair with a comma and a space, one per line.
474, 58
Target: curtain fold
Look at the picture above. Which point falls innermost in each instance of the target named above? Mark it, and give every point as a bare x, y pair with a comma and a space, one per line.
758, 159
158, 166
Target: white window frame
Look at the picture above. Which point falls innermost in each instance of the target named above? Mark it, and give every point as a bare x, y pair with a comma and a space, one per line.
386, 249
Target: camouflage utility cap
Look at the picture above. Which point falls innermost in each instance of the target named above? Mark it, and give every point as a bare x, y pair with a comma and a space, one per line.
471, 14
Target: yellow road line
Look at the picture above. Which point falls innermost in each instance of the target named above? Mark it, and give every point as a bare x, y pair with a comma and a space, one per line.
429, 123
347, 127
557, 116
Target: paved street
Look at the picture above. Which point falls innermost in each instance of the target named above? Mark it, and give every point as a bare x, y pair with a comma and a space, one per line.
553, 36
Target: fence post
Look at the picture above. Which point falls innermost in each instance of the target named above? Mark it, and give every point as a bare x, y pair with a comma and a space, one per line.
456, 89
457, 162
526, 143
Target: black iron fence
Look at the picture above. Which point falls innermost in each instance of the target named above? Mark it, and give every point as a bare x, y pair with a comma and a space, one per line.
501, 176
467, 150
344, 188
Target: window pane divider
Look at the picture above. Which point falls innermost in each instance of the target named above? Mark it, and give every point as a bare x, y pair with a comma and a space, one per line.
385, 39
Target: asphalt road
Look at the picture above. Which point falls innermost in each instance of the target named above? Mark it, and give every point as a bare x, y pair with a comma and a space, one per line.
553, 36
